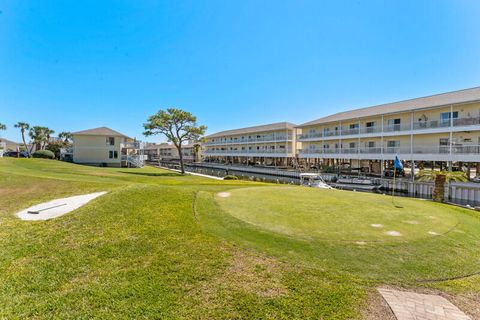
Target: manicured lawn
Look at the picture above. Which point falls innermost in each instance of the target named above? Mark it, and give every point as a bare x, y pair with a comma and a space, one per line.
161, 245
337, 215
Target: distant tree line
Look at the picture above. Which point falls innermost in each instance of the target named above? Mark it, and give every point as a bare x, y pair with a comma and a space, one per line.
41, 138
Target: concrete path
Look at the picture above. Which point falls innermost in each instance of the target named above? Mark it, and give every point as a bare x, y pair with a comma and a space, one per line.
57, 207
193, 173
415, 306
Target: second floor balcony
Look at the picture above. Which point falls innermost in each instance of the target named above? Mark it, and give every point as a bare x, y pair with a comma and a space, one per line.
453, 149
132, 145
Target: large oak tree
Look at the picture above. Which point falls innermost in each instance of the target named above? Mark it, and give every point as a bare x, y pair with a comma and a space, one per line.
177, 125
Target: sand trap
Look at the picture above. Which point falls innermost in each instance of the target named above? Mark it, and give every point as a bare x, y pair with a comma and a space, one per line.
376, 225
433, 233
223, 194
360, 243
412, 222
57, 207
393, 233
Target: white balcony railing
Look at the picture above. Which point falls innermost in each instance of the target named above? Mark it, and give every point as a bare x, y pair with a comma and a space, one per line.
265, 151
137, 161
454, 149
272, 138
419, 125
132, 145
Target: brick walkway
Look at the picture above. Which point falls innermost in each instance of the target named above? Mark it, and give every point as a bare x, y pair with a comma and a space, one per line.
415, 306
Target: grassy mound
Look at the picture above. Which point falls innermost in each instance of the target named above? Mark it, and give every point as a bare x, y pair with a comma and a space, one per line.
344, 242
337, 215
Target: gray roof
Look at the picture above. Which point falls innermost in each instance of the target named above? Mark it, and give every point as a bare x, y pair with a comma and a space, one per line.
102, 131
262, 128
438, 100
8, 141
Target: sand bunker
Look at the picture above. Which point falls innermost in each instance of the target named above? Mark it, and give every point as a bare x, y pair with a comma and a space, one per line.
412, 222
224, 194
393, 233
57, 207
433, 233
376, 225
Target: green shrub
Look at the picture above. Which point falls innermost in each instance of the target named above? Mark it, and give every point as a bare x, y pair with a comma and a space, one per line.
326, 169
44, 154
230, 177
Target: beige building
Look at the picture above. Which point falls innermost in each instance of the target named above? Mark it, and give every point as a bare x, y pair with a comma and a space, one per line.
443, 127
106, 147
168, 152
7, 145
271, 145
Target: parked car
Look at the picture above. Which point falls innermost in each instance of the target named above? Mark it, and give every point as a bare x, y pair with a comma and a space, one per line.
476, 179
390, 172
16, 154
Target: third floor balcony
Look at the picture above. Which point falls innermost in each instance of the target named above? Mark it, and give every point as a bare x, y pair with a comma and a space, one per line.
417, 126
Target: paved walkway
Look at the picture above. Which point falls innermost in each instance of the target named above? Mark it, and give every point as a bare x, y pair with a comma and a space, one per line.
416, 306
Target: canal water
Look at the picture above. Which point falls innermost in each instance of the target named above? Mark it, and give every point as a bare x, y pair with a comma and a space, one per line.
290, 177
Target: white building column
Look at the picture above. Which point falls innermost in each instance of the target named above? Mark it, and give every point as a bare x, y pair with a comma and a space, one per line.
382, 162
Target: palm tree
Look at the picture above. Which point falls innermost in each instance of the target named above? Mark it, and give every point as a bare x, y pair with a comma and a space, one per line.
37, 136
66, 136
47, 134
23, 126
440, 178
3, 127
197, 146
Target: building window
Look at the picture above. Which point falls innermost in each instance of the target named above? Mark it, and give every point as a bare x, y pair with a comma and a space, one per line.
445, 117
351, 145
354, 126
110, 141
393, 124
115, 154
371, 144
370, 124
444, 145
393, 144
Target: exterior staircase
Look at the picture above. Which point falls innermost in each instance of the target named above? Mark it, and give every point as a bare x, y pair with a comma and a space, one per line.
134, 161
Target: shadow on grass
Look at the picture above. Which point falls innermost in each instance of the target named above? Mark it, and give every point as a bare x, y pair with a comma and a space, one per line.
151, 174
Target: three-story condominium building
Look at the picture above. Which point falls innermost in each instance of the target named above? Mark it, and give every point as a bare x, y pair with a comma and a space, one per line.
271, 144
443, 127
168, 152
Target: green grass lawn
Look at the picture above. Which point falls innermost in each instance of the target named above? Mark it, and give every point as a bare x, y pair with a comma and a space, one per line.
162, 245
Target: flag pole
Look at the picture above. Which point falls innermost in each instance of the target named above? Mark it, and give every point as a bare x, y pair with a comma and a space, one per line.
396, 164
393, 185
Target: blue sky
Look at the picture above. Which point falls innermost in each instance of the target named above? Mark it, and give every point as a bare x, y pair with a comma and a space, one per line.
73, 65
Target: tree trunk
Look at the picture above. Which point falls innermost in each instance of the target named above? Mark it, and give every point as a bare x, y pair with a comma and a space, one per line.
439, 189
182, 168
25, 144
31, 147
